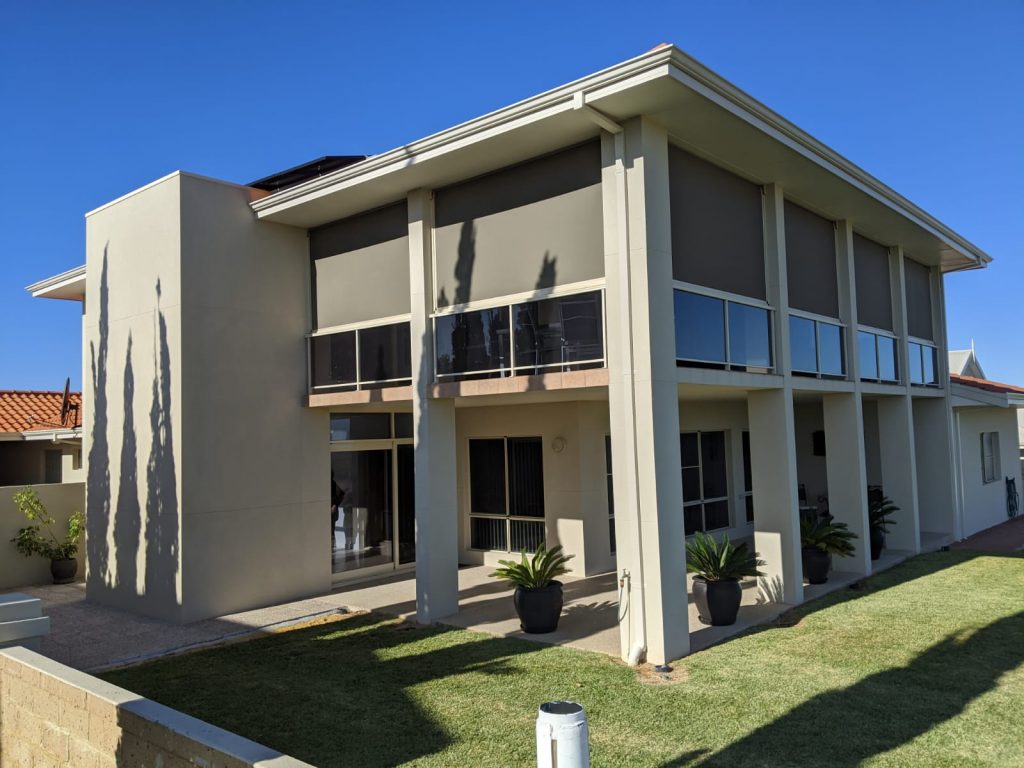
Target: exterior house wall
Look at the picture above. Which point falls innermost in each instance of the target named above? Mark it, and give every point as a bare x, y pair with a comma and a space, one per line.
22, 463
872, 452
60, 500
984, 504
810, 469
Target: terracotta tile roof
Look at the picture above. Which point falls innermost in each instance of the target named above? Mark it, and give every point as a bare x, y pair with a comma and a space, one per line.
22, 411
985, 384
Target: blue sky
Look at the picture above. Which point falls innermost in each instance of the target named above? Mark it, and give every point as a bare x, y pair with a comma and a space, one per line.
99, 98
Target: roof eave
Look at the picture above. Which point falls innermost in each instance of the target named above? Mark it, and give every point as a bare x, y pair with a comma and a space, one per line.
69, 286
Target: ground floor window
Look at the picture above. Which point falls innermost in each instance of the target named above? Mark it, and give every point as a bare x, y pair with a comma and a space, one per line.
989, 457
506, 494
748, 482
611, 496
705, 481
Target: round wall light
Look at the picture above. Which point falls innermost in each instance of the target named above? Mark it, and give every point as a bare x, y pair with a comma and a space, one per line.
558, 444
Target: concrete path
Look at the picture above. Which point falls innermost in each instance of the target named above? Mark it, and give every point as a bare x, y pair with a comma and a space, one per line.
1005, 537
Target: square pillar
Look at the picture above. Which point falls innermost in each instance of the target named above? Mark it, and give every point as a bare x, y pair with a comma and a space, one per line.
933, 450
643, 396
776, 498
847, 474
437, 530
899, 470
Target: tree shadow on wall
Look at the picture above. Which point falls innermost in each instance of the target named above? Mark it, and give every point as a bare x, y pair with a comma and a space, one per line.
97, 489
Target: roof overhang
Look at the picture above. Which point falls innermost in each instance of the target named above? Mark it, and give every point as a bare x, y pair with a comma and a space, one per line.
54, 435
68, 285
701, 111
965, 396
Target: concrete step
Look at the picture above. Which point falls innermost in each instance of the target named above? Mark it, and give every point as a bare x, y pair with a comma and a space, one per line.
17, 605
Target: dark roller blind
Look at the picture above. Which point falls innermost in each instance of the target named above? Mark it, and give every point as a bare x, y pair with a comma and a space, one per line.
811, 262
919, 299
717, 230
360, 267
874, 292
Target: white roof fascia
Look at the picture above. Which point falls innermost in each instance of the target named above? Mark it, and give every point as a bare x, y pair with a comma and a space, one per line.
72, 280
53, 435
659, 62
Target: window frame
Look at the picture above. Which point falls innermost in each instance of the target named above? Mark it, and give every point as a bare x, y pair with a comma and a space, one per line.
507, 516
727, 299
922, 345
357, 384
818, 321
700, 474
876, 333
990, 474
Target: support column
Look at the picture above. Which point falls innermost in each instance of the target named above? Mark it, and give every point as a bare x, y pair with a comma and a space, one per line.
847, 473
643, 394
899, 469
437, 532
776, 498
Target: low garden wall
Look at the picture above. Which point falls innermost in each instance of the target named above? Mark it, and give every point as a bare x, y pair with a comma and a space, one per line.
60, 499
54, 715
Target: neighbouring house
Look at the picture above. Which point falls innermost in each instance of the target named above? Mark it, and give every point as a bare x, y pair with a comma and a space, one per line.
628, 309
40, 437
986, 443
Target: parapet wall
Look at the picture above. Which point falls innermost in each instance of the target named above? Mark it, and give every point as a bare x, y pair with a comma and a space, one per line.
57, 716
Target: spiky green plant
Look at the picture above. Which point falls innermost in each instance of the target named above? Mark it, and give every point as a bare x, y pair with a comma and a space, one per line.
31, 540
534, 572
878, 514
832, 537
712, 561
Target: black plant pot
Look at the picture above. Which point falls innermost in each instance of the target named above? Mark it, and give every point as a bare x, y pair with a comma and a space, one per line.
877, 543
539, 608
64, 571
718, 602
816, 565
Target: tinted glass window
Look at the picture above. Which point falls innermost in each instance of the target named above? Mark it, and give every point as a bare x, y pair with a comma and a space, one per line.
403, 425
830, 350
748, 483
487, 477
700, 328
526, 477
384, 353
887, 359
749, 343
360, 426
473, 341
928, 355
557, 332
334, 359
716, 515
866, 352
712, 454
802, 344
916, 367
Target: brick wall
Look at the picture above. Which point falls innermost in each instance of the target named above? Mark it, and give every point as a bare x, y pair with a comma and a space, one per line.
52, 715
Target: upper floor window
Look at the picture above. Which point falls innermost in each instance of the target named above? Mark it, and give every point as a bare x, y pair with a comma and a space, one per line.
722, 332
923, 363
364, 358
876, 353
816, 347
564, 333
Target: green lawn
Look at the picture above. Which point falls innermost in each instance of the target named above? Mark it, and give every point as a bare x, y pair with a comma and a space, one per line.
921, 668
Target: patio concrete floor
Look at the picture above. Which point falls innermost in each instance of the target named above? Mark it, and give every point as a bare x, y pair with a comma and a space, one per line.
92, 637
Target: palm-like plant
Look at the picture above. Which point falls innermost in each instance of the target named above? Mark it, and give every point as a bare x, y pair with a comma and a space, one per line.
712, 561
878, 514
533, 573
834, 538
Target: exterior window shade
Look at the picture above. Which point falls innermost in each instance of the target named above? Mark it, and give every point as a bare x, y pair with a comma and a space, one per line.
717, 228
919, 299
811, 262
874, 291
525, 228
360, 268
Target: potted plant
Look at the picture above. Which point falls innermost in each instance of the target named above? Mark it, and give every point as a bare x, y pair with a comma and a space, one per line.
31, 540
717, 570
819, 540
538, 597
879, 522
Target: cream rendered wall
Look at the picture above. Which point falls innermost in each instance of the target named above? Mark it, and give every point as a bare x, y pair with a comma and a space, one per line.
985, 503
255, 465
72, 469
575, 507
810, 469
132, 250
872, 452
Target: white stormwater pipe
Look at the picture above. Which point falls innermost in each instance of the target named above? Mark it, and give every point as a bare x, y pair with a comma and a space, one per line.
563, 739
